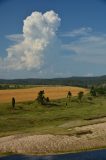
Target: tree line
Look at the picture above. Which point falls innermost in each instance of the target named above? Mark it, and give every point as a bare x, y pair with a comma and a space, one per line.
94, 92
71, 81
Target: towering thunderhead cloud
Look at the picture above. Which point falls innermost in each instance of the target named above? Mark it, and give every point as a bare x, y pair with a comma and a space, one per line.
39, 31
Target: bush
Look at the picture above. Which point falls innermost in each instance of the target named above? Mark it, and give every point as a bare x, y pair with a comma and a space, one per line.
80, 95
101, 90
41, 98
93, 91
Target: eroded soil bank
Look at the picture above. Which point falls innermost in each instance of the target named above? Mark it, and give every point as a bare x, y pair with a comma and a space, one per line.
85, 137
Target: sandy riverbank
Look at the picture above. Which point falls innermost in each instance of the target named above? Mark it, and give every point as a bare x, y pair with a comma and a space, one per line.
86, 137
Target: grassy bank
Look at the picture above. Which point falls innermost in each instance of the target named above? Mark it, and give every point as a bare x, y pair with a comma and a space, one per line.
56, 118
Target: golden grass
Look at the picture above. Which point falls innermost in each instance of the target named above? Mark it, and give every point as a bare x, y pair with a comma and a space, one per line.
53, 92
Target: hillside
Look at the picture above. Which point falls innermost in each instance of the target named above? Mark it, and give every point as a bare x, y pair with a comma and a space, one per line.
71, 81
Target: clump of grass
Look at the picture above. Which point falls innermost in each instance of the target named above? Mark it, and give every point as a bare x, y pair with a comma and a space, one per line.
83, 132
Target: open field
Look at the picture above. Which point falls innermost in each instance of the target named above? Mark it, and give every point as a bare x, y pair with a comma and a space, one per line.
56, 118
53, 128
30, 94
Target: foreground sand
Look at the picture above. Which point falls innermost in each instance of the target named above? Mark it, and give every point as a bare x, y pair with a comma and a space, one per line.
94, 136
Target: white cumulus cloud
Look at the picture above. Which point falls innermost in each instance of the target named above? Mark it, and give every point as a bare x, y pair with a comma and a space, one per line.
78, 32
39, 32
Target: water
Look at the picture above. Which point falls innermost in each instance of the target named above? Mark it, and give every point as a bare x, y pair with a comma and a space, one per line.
90, 155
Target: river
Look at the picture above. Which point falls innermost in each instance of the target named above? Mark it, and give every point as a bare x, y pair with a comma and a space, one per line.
89, 155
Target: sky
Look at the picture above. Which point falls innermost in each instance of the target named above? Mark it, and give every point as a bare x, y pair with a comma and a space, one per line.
52, 38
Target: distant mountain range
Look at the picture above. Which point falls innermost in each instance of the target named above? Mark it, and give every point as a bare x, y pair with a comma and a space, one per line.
71, 81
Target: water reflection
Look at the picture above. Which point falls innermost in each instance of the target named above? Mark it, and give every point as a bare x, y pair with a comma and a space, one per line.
91, 155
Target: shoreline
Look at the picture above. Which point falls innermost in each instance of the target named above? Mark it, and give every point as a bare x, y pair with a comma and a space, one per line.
54, 154
49, 144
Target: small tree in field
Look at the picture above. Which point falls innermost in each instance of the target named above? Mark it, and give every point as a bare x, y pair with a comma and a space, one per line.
69, 95
41, 97
93, 91
13, 102
80, 95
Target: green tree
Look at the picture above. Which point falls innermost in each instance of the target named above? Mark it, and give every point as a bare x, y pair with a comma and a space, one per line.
93, 91
41, 97
80, 95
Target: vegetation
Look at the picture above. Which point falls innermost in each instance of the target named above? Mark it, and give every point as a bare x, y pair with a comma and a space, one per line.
80, 95
93, 91
14, 86
59, 116
97, 91
41, 98
69, 95
13, 102
71, 81
32, 117
101, 90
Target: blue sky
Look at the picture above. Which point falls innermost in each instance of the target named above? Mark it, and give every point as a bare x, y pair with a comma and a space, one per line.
57, 38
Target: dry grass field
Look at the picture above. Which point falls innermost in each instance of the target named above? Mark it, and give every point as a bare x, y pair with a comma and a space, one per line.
53, 92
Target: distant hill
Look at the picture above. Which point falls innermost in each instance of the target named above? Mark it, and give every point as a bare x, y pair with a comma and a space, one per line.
71, 81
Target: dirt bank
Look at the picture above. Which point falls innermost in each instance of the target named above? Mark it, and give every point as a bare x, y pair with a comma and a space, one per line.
86, 137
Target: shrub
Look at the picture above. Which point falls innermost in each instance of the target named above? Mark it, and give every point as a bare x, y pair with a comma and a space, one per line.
80, 95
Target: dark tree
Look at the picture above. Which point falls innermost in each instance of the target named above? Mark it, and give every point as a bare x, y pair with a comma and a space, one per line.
69, 95
13, 102
41, 97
